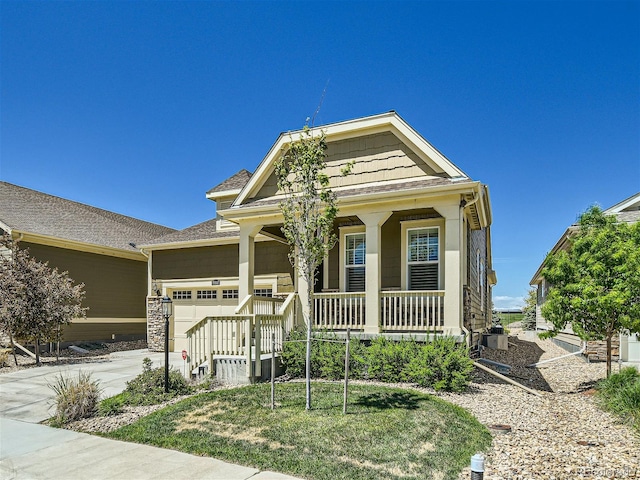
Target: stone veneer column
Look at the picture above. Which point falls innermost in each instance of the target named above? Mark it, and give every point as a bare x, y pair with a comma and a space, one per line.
155, 325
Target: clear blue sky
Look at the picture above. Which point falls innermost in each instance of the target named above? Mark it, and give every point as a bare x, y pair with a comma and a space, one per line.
141, 107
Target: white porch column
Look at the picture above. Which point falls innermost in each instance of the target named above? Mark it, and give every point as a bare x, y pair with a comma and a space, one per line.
246, 262
373, 274
453, 245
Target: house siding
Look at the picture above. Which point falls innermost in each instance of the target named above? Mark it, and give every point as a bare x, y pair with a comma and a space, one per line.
378, 158
219, 261
478, 299
115, 287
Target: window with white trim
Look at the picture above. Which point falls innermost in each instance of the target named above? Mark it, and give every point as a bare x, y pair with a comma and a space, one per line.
355, 255
263, 292
423, 259
181, 295
231, 293
206, 294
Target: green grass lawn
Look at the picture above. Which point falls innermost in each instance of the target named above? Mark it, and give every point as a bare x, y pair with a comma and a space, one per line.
507, 319
388, 433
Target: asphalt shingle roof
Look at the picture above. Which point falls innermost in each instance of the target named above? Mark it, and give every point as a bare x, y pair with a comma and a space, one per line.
27, 210
202, 231
235, 182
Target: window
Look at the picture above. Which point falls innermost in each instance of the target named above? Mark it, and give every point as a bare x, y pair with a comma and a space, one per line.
230, 293
206, 294
182, 295
423, 255
355, 254
263, 292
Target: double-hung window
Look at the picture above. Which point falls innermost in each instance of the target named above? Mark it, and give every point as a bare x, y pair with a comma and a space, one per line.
423, 255
355, 254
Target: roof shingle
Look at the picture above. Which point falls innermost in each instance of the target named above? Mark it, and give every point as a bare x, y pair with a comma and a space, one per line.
30, 211
235, 182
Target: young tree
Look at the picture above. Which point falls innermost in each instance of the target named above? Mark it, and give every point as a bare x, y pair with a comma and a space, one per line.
309, 209
35, 300
595, 284
529, 310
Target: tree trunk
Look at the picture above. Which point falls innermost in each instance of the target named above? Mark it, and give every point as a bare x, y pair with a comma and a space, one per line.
13, 347
37, 350
609, 335
308, 357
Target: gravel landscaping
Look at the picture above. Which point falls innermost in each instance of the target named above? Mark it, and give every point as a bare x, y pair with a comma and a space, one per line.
560, 435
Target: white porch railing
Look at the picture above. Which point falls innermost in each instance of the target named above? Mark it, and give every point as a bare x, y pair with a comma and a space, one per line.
247, 335
259, 305
339, 310
412, 310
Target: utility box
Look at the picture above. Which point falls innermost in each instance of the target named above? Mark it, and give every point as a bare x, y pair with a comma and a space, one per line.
495, 341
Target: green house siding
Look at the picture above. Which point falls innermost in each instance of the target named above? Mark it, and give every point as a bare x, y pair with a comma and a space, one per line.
115, 287
218, 261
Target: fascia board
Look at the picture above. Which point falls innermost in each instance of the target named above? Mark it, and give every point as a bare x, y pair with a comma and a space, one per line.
5, 227
207, 242
272, 212
223, 193
390, 121
81, 246
560, 245
620, 207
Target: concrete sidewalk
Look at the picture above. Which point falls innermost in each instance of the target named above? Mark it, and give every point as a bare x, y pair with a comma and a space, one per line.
29, 450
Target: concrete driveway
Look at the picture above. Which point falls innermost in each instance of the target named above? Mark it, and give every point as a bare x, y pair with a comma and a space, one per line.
29, 450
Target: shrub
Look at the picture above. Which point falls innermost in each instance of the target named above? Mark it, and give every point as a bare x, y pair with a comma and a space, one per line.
75, 399
148, 387
620, 394
4, 355
442, 364
113, 405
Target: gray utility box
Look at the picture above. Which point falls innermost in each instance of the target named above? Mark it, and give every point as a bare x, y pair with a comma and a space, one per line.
496, 341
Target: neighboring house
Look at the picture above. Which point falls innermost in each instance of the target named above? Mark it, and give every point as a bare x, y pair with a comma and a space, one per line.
97, 248
413, 256
627, 346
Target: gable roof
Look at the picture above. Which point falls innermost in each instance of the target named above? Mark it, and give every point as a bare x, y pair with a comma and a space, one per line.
627, 211
231, 185
386, 122
25, 211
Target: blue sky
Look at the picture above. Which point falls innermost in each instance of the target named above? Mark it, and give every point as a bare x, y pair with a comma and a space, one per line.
141, 107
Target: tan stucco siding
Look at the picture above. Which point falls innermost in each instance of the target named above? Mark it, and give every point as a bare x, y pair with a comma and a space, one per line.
378, 158
218, 261
115, 287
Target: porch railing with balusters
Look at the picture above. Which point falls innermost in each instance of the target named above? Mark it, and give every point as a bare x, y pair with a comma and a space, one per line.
339, 310
412, 310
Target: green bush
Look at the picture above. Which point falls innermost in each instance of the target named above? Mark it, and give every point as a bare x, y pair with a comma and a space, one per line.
112, 405
148, 387
74, 399
442, 364
620, 394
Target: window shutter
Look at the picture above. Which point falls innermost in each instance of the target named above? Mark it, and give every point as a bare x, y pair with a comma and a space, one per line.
355, 279
423, 276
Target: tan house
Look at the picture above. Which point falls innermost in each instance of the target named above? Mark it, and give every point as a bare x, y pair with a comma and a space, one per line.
627, 346
97, 248
413, 256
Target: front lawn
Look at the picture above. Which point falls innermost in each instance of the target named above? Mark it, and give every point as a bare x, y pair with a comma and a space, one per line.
388, 433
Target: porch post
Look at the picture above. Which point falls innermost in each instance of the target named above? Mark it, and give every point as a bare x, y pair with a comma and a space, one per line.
246, 262
453, 244
373, 274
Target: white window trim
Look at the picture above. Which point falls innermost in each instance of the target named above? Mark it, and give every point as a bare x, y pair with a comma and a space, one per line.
413, 225
344, 231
